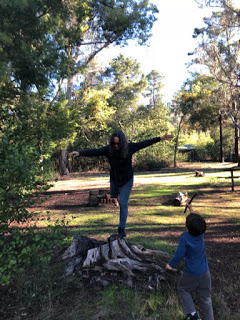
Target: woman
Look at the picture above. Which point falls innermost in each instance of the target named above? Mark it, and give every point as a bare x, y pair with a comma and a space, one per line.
119, 154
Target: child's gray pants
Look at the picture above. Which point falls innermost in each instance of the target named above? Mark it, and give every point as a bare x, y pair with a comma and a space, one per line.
201, 285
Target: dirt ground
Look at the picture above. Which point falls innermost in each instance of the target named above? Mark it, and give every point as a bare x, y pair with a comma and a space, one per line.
222, 238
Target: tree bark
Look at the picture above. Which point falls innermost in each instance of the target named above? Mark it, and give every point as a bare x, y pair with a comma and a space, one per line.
236, 146
221, 158
115, 261
176, 141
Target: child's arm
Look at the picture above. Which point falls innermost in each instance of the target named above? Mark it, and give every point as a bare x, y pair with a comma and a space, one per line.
179, 254
168, 267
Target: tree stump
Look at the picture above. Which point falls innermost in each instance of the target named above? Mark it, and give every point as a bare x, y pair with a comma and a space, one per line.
115, 261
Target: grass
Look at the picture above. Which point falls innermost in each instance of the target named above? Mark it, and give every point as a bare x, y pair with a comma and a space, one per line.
152, 223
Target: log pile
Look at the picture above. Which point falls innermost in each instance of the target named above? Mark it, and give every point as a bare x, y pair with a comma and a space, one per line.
100, 197
115, 261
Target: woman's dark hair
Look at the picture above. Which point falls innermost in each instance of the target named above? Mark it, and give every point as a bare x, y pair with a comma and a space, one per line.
195, 224
123, 143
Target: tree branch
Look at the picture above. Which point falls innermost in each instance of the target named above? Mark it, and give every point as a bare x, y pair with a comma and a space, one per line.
237, 125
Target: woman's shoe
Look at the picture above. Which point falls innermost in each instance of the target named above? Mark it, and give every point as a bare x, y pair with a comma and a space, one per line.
121, 232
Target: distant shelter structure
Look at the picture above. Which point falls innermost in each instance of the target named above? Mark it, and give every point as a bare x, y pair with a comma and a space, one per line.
188, 148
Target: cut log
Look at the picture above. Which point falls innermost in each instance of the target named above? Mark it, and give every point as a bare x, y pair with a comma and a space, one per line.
115, 261
181, 199
199, 174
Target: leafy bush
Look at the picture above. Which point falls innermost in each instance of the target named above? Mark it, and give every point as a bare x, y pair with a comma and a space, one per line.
23, 250
150, 164
31, 131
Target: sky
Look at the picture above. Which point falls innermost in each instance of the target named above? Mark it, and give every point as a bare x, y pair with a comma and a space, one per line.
169, 45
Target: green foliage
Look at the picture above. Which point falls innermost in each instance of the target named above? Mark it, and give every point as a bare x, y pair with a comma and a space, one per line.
204, 144
121, 20
34, 39
31, 130
126, 81
228, 142
199, 105
153, 89
36, 36
199, 102
27, 250
95, 110
43, 43
151, 122
113, 99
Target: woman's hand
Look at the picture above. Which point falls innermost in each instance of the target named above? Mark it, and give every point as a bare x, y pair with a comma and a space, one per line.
167, 137
115, 202
74, 154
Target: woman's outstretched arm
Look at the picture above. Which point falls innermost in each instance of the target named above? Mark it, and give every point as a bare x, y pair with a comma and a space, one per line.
146, 143
90, 152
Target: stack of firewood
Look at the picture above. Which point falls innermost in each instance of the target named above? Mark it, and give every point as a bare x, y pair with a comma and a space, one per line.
100, 197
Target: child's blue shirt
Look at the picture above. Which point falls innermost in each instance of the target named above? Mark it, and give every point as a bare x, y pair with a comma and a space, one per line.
192, 249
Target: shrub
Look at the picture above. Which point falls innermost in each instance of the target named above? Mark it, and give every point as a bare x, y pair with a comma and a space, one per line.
23, 250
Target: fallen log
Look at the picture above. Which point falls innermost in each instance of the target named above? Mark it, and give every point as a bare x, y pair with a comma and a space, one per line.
181, 199
115, 261
199, 174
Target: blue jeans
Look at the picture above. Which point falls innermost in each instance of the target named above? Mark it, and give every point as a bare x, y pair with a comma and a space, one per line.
123, 194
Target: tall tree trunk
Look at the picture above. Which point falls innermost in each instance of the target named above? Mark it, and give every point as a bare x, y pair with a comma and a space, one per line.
237, 128
221, 158
176, 141
236, 135
236, 147
63, 154
63, 160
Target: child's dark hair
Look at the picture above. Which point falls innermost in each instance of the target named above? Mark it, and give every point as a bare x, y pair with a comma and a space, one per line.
195, 224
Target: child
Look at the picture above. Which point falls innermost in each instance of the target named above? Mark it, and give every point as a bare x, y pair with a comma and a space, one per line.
196, 276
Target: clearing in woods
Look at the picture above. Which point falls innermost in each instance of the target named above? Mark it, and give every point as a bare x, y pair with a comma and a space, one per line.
154, 223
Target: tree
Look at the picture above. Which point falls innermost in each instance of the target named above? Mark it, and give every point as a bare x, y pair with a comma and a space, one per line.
42, 43
154, 87
200, 103
124, 91
37, 36
151, 119
126, 81
219, 51
112, 22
